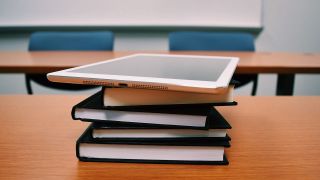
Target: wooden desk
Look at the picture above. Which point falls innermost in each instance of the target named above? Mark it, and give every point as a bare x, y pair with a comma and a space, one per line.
272, 137
284, 64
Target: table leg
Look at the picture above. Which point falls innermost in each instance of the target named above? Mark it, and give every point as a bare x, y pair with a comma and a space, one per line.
285, 84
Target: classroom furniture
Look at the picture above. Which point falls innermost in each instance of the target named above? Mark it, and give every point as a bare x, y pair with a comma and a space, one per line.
272, 137
216, 41
66, 41
250, 62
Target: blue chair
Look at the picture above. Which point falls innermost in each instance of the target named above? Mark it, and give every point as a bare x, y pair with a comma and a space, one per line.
67, 41
216, 41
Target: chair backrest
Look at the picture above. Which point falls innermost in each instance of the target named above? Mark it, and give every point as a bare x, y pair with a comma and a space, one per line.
71, 41
67, 41
211, 41
216, 41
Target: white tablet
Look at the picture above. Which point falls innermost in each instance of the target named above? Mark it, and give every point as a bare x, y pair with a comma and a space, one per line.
203, 74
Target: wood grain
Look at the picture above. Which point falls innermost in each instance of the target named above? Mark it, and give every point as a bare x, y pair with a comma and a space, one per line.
272, 138
250, 62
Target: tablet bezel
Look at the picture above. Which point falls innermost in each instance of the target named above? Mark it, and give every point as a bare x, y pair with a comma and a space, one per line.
65, 76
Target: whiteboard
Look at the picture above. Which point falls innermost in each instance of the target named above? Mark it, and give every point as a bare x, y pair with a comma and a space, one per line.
135, 13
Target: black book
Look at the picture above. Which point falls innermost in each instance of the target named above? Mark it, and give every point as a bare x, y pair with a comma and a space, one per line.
104, 150
186, 115
152, 134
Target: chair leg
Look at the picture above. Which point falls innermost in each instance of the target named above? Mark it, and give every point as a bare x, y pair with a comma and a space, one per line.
28, 85
254, 88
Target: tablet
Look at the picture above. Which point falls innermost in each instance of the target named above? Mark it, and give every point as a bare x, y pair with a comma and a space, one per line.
203, 74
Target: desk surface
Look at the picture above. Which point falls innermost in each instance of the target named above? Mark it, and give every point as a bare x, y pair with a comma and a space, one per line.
272, 137
250, 62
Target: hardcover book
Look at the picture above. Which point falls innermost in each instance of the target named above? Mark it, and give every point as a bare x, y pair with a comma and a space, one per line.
145, 134
197, 152
189, 115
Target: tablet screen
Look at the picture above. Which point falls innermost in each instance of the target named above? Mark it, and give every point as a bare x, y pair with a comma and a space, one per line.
173, 67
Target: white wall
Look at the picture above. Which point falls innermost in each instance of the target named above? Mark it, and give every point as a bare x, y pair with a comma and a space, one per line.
289, 25
205, 13
292, 26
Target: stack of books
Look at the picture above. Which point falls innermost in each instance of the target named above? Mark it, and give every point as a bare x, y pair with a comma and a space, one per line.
154, 126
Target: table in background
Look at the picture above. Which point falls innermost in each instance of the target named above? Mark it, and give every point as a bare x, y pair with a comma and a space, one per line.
283, 64
272, 137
